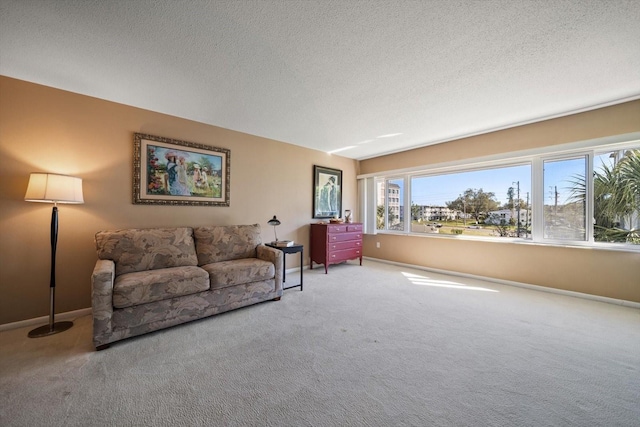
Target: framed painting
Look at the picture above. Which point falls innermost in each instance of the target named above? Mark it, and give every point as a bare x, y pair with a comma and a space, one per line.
327, 192
173, 172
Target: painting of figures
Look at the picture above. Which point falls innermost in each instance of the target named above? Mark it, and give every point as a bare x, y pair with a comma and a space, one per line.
327, 192
169, 171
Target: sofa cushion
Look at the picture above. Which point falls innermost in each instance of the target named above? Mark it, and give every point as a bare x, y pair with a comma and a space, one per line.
147, 249
237, 272
155, 285
224, 243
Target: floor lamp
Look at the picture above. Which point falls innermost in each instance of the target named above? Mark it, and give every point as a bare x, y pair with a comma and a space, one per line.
53, 188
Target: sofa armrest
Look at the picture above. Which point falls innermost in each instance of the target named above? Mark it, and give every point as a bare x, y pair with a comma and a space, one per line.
275, 256
102, 280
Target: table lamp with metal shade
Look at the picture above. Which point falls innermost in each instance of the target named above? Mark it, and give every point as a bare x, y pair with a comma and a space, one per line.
274, 222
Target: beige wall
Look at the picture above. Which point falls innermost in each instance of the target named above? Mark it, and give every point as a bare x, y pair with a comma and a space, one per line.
44, 129
616, 120
613, 274
48, 130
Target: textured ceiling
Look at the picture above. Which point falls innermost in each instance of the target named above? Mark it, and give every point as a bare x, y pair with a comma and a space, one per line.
333, 74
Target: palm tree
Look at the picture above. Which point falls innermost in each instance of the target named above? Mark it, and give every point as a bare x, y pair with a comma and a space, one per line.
624, 203
616, 196
380, 216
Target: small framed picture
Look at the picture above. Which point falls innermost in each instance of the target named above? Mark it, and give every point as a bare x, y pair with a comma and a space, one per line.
173, 172
327, 192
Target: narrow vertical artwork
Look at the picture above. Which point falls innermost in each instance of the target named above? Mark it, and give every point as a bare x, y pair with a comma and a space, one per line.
327, 192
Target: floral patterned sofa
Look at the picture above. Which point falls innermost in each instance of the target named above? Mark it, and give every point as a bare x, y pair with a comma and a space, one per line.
150, 279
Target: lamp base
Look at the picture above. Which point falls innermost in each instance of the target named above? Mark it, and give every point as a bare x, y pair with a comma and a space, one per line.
47, 330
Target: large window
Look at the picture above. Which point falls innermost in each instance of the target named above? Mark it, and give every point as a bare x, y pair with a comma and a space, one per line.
582, 196
490, 203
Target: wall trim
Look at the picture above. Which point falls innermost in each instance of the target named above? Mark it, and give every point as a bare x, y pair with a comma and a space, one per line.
44, 320
599, 298
70, 315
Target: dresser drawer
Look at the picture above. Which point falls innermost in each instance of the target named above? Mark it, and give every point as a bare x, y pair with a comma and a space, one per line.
341, 237
338, 228
337, 246
342, 228
344, 255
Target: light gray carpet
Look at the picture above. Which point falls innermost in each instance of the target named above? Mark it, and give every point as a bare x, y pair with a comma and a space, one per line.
377, 345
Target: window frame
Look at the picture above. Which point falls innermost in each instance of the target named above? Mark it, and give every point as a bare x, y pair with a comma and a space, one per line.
535, 158
384, 180
588, 155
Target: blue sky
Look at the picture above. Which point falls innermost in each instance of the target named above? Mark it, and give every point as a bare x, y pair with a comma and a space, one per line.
437, 190
190, 156
560, 175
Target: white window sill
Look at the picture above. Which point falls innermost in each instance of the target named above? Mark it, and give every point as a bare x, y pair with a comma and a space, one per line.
512, 240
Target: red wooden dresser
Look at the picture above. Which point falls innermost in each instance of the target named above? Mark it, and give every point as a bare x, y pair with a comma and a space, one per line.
335, 243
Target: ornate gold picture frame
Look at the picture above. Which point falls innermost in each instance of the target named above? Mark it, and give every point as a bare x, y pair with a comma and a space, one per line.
172, 172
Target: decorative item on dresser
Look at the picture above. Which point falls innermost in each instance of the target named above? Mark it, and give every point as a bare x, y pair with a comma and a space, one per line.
335, 243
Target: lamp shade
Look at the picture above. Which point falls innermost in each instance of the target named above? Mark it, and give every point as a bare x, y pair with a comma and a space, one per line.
53, 188
274, 221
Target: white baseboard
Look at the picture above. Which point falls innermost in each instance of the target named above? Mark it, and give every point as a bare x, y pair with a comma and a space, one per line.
69, 315
86, 311
295, 269
517, 284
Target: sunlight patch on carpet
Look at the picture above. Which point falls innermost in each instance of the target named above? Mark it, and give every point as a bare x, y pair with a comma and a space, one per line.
417, 279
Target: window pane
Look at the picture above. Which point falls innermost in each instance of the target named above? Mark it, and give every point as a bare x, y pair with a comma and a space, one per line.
380, 203
390, 193
565, 199
616, 188
484, 203
395, 195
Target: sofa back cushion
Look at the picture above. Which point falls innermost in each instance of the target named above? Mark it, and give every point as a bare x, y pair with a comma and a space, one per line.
224, 243
147, 249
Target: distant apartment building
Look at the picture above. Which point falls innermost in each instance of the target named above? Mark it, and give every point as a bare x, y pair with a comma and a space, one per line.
395, 210
436, 213
496, 217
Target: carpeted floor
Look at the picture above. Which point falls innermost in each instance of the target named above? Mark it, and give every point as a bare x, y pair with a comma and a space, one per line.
377, 345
